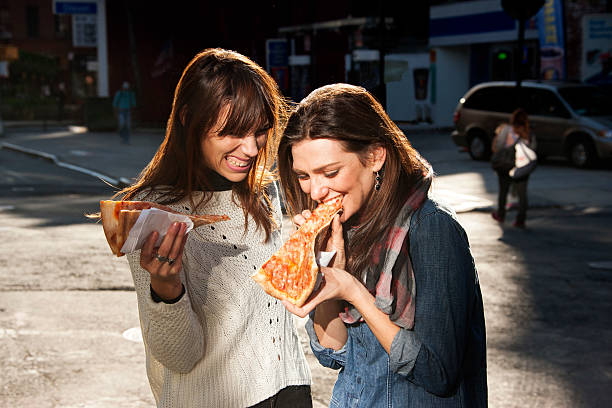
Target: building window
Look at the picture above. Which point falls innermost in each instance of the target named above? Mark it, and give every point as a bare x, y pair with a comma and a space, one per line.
32, 22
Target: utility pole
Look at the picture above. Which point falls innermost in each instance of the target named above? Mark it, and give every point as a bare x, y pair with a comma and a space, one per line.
382, 88
521, 10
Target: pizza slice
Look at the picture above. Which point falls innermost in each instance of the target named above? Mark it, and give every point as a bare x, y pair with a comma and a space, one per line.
118, 218
291, 273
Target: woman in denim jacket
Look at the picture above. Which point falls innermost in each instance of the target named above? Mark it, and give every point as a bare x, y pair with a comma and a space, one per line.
399, 311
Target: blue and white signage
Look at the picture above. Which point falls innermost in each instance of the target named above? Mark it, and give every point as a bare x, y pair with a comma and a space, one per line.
74, 7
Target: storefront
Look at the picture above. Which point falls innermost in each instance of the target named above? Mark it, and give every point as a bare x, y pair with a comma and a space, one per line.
473, 42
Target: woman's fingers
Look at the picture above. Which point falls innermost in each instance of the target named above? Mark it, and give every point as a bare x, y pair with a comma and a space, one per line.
299, 219
336, 242
337, 239
337, 284
168, 241
179, 242
293, 308
165, 261
300, 311
148, 250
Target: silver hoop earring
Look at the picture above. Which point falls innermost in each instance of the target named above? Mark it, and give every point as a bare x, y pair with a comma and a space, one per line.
378, 180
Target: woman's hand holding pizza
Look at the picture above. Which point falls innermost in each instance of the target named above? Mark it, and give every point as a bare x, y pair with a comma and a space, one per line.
333, 242
164, 263
337, 284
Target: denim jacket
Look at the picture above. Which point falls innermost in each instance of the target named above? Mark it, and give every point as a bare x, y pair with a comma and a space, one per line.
442, 361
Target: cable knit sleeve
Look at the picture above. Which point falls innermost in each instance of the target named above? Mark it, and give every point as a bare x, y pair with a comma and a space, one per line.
173, 332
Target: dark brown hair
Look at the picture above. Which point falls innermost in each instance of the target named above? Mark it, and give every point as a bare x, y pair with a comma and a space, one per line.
520, 122
350, 115
213, 80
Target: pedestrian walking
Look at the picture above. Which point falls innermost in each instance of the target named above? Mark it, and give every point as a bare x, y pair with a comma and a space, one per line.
123, 102
212, 336
399, 311
506, 137
61, 100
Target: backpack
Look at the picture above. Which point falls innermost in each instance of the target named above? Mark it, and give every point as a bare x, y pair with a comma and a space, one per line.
504, 157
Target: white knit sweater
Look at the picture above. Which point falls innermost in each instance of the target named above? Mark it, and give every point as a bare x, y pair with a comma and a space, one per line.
226, 343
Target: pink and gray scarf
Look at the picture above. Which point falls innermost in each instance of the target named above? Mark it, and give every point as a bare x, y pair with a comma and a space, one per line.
390, 276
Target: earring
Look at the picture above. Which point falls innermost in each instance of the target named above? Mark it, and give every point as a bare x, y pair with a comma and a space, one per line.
378, 180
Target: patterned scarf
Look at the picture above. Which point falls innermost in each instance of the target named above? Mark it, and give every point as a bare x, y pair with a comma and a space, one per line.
390, 277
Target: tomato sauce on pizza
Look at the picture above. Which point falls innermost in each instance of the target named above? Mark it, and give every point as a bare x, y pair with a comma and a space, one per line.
291, 272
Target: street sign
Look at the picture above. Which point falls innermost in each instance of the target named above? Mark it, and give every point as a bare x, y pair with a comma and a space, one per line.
277, 61
84, 30
277, 53
74, 7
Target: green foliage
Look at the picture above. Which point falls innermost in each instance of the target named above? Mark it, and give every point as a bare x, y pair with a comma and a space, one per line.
22, 93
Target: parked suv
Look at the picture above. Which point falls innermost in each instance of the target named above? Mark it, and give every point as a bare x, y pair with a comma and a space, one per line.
569, 119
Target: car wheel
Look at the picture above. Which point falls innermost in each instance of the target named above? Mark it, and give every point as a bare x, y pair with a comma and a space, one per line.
478, 147
582, 154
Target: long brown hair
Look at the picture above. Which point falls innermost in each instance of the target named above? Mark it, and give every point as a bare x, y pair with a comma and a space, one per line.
213, 80
350, 115
520, 123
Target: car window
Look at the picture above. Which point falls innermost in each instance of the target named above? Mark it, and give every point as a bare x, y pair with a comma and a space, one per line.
543, 102
588, 100
493, 99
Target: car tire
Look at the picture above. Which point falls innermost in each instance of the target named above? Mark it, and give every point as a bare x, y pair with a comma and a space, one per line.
582, 153
478, 146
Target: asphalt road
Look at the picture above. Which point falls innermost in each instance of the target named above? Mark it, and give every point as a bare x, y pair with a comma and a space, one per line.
68, 312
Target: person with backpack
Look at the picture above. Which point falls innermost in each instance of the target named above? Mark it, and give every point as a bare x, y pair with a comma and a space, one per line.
123, 102
503, 160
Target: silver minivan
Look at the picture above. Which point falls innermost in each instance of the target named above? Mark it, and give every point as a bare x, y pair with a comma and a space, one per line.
569, 119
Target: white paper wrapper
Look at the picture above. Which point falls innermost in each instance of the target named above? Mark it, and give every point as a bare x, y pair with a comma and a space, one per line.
323, 259
151, 220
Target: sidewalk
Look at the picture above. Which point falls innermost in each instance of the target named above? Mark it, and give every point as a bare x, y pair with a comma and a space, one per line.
99, 154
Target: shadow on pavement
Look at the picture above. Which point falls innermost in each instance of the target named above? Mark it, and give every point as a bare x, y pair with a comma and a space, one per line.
54, 210
568, 327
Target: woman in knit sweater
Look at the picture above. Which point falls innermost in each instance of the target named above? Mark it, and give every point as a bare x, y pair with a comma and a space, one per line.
212, 337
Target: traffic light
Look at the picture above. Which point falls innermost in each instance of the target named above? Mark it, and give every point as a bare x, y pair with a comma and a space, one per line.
501, 65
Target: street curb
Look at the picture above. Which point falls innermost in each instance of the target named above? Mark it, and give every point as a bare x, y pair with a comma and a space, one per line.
117, 183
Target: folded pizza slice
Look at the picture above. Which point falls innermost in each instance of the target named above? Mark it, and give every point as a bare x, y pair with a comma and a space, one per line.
291, 273
118, 218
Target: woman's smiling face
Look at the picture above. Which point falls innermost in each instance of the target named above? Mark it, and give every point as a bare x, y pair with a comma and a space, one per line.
232, 156
325, 170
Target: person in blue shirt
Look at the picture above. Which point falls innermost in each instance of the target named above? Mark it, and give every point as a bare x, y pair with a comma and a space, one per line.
399, 310
123, 102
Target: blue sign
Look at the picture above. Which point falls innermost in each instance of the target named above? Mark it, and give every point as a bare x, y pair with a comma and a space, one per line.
277, 52
552, 44
75, 7
471, 24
